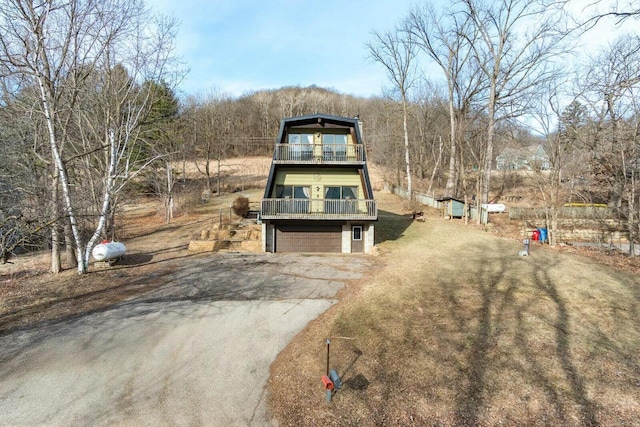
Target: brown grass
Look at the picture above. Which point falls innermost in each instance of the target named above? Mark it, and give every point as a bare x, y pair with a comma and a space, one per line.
452, 328
456, 329
29, 295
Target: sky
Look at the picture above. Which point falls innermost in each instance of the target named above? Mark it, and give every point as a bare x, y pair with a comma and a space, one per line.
235, 47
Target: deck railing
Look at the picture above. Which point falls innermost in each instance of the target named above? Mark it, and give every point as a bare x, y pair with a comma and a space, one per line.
319, 153
364, 209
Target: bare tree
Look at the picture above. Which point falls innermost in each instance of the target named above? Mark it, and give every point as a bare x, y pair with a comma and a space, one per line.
610, 89
396, 51
558, 118
447, 39
517, 42
619, 11
55, 47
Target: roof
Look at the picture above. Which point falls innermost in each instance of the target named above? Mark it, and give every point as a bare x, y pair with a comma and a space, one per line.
524, 152
320, 121
446, 199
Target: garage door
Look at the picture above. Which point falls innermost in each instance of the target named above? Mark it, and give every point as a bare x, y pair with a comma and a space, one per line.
291, 238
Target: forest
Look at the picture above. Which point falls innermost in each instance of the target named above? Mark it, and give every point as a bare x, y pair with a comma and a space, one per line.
90, 114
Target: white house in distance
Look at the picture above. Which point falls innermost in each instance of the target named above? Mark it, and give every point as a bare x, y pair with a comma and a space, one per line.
523, 158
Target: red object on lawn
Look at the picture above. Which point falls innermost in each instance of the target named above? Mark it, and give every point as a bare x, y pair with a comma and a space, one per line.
326, 381
535, 235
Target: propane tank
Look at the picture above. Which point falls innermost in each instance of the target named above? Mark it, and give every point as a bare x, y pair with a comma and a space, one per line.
108, 251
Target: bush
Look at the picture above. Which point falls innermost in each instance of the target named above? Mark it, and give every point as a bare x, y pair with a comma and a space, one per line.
241, 206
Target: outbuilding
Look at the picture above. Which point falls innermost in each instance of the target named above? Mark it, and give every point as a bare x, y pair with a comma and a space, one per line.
452, 208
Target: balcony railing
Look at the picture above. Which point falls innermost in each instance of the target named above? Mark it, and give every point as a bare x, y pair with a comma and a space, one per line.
319, 209
319, 153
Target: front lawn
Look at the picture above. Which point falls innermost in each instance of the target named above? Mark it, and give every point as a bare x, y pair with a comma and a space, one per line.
454, 328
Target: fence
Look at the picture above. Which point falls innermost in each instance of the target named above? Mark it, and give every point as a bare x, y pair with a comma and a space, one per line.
573, 212
433, 202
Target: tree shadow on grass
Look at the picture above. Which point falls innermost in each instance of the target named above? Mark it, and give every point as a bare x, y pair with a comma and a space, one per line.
502, 311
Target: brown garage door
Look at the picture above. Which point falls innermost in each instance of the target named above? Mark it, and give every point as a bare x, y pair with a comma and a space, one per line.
306, 238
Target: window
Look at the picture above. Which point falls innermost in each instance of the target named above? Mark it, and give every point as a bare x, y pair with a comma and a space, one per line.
357, 232
334, 193
301, 138
296, 199
301, 146
341, 200
350, 193
338, 139
335, 146
292, 192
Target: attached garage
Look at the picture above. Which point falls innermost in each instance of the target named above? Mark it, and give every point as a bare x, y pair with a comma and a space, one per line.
308, 238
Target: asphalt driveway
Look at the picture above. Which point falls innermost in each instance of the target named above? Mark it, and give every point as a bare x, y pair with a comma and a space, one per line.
194, 351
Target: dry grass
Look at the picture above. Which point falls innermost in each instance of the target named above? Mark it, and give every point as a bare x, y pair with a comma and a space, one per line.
29, 295
456, 329
452, 328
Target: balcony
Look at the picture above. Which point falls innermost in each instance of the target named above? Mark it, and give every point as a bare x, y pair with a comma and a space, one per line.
319, 209
331, 154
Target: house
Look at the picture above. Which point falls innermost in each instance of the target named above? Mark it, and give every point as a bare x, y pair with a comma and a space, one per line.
517, 158
318, 196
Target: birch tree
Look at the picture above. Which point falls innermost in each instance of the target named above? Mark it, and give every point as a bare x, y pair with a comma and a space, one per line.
55, 46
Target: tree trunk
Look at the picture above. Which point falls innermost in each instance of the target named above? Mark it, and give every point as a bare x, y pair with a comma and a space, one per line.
56, 266
219, 191
488, 154
451, 179
169, 201
407, 158
45, 95
435, 167
488, 159
106, 202
69, 250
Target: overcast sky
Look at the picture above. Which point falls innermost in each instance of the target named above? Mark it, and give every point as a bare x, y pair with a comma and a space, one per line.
235, 47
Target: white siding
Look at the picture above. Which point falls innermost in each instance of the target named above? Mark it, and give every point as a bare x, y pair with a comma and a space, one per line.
346, 238
267, 237
368, 238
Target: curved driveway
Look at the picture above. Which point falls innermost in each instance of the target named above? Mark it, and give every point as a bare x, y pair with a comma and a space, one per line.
194, 351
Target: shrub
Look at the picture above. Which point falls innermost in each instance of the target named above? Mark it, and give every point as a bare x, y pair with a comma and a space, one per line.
241, 206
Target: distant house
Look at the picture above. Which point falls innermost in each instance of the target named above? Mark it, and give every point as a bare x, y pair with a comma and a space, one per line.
318, 196
523, 158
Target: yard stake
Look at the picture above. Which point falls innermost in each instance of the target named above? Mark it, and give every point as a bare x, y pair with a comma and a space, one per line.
328, 343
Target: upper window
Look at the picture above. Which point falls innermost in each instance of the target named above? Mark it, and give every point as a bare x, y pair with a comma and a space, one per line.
300, 146
349, 193
300, 138
338, 139
292, 192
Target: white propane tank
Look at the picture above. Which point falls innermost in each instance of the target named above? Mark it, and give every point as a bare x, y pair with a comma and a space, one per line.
494, 207
108, 251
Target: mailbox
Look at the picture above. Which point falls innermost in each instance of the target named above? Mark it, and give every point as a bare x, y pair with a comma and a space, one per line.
327, 383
